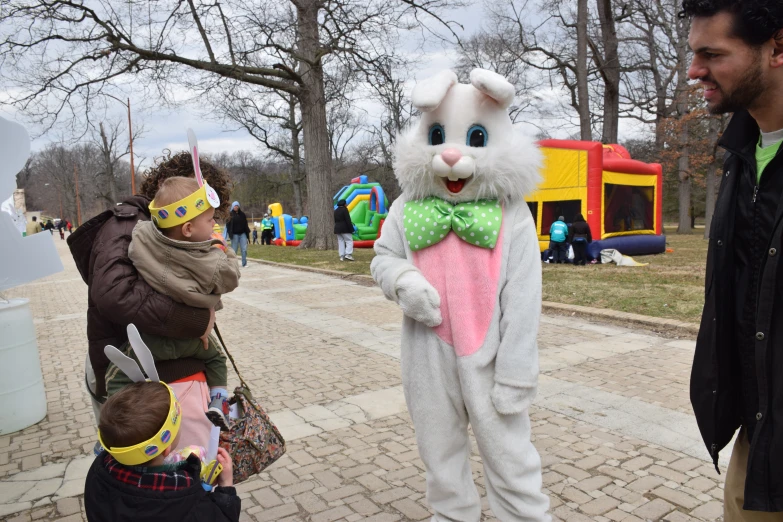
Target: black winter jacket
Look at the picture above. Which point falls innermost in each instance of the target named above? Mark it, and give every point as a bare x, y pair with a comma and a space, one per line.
237, 224
109, 500
119, 296
737, 375
580, 229
342, 221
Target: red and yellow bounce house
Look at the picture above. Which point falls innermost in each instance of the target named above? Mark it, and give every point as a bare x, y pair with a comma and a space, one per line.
619, 197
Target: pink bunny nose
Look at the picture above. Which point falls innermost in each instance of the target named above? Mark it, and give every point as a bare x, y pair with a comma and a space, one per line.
451, 156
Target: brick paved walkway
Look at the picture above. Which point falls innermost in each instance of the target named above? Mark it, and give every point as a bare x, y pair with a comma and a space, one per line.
612, 420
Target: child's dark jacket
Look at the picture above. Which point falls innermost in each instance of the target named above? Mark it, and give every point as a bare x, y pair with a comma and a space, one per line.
118, 493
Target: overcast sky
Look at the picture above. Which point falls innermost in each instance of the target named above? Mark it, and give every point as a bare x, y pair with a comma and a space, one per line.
165, 129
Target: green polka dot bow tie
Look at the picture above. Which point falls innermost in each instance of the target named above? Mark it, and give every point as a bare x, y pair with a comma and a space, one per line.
427, 221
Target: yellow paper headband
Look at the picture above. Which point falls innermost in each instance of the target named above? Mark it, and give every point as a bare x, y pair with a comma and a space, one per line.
151, 448
186, 208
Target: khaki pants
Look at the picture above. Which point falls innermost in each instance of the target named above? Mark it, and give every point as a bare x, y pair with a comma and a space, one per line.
734, 490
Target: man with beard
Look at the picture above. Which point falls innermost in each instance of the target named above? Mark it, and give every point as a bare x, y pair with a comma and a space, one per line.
737, 376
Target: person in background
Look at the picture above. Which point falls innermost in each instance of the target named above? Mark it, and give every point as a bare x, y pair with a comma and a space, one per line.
70, 227
558, 233
343, 228
238, 231
49, 226
737, 374
61, 228
580, 238
266, 230
255, 235
33, 227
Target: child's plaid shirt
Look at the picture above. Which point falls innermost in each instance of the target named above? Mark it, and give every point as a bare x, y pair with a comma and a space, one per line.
169, 477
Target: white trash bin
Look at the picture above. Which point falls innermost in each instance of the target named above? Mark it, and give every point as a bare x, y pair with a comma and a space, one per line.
22, 395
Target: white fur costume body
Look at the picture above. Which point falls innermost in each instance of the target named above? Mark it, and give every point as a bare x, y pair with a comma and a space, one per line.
469, 352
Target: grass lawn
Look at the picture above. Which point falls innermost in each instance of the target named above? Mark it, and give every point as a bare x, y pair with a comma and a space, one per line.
329, 260
671, 286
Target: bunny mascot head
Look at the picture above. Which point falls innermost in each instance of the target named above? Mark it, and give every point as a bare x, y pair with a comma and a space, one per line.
459, 254
465, 147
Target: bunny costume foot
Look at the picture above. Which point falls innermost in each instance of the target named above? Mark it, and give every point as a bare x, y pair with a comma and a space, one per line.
459, 254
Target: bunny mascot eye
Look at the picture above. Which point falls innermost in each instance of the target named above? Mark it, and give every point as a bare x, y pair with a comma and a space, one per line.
477, 136
437, 136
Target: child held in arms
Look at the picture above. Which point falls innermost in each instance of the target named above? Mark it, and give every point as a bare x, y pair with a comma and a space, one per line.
132, 479
178, 254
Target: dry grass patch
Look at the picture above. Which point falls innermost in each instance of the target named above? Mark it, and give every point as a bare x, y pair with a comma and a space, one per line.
671, 286
328, 260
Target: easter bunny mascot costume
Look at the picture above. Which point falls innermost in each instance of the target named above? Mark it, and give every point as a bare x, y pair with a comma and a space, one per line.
459, 254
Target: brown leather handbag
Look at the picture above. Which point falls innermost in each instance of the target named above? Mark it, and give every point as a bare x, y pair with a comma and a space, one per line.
253, 441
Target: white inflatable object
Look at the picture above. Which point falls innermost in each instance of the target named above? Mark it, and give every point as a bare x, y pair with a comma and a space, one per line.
22, 395
22, 260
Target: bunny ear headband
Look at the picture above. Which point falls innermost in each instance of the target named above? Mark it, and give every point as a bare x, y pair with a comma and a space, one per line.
191, 206
151, 448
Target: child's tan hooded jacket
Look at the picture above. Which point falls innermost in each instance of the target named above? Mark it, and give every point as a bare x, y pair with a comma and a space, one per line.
195, 274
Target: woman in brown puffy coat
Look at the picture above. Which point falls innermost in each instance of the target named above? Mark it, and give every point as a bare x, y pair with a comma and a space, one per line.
119, 296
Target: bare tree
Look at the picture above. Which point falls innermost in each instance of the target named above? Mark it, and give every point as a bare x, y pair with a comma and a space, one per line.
713, 176
581, 72
607, 59
486, 50
274, 120
377, 152
655, 44
50, 180
112, 153
556, 45
683, 109
70, 52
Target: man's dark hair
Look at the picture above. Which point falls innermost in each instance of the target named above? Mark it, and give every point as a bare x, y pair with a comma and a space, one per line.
35, 219
755, 21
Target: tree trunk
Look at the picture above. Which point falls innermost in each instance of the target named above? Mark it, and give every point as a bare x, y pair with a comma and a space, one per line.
296, 183
106, 150
683, 168
583, 95
683, 163
712, 182
610, 71
296, 174
320, 227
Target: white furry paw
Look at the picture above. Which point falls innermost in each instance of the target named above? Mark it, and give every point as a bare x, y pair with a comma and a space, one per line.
509, 400
418, 299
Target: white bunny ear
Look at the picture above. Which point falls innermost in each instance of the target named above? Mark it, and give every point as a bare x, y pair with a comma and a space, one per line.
428, 94
143, 353
493, 85
124, 363
193, 145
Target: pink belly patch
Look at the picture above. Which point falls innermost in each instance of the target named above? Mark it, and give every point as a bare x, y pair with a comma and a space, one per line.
466, 278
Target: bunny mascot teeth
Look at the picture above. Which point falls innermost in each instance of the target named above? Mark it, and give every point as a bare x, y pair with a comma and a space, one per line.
459, 254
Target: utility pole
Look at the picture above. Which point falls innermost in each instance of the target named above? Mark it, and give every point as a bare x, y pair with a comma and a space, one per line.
78, 203
60, 199
130, 137
130, 141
